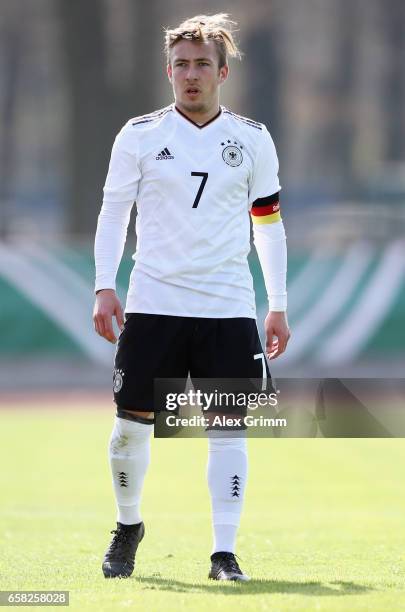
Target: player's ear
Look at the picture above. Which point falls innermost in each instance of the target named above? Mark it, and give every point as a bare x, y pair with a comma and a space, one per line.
169, 72
223, 73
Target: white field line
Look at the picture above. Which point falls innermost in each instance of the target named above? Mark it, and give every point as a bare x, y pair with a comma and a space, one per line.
72, 312
352, 335
305, 283
334, 298
58, 270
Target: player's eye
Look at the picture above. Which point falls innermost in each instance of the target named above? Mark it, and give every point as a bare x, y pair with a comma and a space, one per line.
204, 63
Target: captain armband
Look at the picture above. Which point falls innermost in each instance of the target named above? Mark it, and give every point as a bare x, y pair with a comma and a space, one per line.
266, 210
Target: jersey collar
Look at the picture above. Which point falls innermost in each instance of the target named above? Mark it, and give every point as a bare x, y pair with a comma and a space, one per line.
179, 112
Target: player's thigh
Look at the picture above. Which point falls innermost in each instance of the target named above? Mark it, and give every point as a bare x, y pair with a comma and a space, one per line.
149, 347
228, 348
228, 365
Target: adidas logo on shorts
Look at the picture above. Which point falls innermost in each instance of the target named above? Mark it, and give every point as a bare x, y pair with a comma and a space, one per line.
165, 154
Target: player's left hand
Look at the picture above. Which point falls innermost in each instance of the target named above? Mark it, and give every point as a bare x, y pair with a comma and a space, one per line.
277, 333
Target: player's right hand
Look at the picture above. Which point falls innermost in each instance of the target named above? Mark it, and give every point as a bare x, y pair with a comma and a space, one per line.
106, 306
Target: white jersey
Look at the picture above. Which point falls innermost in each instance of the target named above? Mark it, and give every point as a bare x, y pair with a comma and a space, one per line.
194, 187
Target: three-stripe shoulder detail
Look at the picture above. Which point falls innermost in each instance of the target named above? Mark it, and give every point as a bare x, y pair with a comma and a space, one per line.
245, 120
152, 116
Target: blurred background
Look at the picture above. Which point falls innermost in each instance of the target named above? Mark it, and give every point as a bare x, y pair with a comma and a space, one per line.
328, 79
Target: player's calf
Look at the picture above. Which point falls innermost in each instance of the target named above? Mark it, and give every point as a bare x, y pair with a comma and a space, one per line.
129, 452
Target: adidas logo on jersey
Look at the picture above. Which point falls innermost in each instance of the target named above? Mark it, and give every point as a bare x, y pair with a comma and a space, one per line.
165, 154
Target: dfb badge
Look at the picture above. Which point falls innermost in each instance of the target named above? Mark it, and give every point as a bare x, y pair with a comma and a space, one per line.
232, 154
118, 380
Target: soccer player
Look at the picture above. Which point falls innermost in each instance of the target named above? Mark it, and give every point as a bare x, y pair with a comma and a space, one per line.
198, 172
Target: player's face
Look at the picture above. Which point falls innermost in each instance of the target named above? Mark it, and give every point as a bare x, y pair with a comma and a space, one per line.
195, 75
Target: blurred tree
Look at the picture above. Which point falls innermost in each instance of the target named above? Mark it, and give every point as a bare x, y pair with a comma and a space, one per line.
263, 68
395, 92
99, 106
11, 46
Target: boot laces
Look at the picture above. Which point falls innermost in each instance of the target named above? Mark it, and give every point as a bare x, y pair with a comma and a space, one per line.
230, 564
121, 543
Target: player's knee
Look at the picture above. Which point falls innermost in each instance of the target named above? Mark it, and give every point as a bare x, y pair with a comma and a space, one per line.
128, 435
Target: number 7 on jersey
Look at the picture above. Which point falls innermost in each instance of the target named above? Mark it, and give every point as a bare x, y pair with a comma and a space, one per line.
204, 176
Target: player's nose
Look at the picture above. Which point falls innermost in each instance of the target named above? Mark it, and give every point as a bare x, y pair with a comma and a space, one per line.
191, 74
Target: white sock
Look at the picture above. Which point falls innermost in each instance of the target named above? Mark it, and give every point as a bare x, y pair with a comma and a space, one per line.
224, 538
129, 454
227, 474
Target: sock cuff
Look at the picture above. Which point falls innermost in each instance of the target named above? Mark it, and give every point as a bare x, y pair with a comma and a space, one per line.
128, 416
223, 444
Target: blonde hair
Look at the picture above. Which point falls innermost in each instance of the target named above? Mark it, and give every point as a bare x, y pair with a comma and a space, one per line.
201, 28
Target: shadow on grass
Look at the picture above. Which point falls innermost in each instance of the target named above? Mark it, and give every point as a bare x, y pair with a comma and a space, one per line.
315, 589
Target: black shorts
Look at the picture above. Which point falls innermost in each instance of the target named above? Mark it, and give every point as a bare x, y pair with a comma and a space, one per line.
161, 346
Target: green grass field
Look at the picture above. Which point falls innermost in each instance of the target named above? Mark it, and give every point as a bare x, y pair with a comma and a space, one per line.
323, 527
